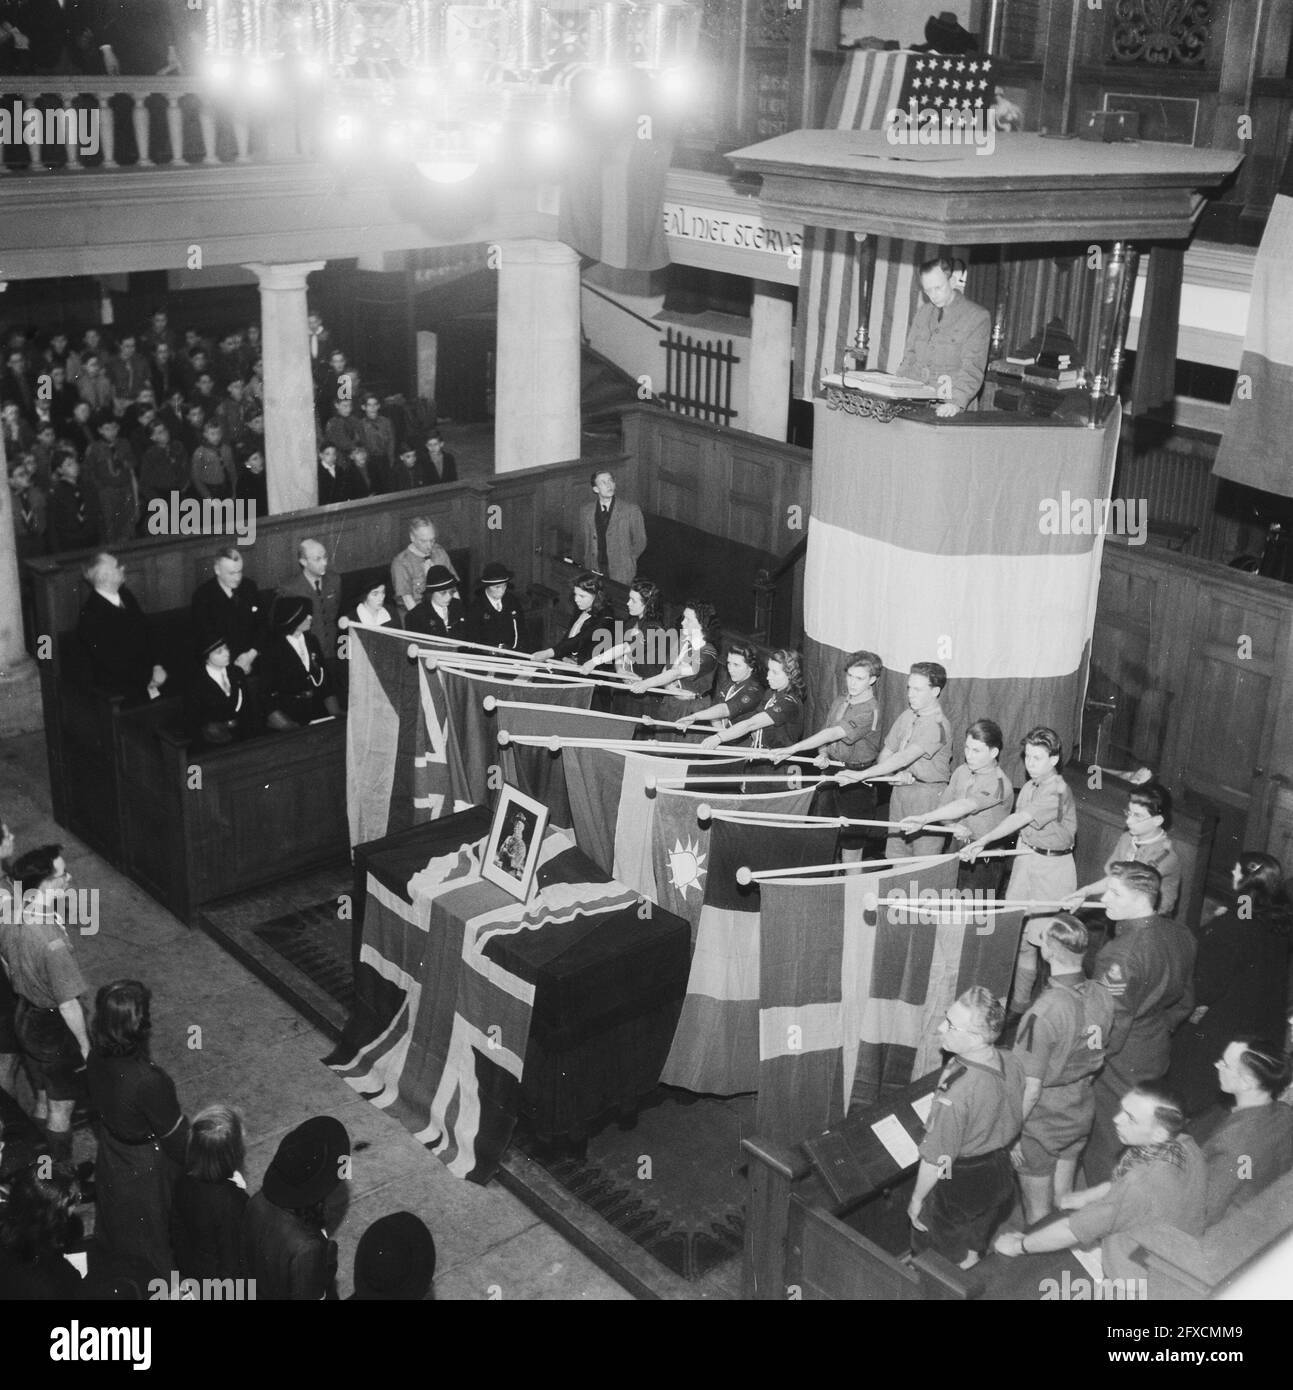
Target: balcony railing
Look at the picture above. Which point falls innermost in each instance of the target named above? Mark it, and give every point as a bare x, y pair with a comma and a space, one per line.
79, 124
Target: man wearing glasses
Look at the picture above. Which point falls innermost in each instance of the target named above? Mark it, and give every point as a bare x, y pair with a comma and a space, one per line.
965, 1184
43, 970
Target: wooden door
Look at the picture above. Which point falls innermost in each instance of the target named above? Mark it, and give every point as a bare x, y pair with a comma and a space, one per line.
1231, 739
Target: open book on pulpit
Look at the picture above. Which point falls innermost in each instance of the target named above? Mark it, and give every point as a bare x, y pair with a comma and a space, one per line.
894, 388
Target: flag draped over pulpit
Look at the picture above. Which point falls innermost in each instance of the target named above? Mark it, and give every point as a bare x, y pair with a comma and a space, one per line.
1254, 449
853, 989
976, 548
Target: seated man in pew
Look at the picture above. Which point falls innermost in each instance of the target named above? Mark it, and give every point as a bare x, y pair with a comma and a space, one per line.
409, 568
116, 636
229, 606
1160, 1180
217, 704
298, 688
1253, 1145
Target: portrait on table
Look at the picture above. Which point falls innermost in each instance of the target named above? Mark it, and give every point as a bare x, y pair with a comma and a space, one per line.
512, 850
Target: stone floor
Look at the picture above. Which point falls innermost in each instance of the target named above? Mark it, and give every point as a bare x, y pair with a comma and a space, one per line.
224, 1036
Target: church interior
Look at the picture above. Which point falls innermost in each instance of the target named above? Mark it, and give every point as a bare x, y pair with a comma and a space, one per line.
433, 434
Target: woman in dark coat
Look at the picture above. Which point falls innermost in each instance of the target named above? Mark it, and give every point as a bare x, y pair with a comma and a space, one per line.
142, 1132
440, 613
207, 1210
297, 682
285, 1247
592, 617
495, 617
1240, 978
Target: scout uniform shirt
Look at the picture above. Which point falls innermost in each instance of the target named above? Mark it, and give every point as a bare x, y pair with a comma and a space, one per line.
1158, 854
929, 731
976, 1109
1153, 1185
1053, 813
990, 790
39, 958
1061, 1043
860, 745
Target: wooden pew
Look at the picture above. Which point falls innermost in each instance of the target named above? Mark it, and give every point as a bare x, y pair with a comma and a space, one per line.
198, 824
834, 1225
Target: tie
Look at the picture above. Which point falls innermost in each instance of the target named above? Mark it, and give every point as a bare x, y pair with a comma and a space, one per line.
318, 585
224, 683
939, 316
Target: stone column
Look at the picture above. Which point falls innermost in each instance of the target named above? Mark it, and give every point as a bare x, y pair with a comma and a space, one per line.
290, 454
19, 684
536, 416
767, 406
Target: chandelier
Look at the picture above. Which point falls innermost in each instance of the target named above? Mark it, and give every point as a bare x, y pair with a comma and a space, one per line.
450, 84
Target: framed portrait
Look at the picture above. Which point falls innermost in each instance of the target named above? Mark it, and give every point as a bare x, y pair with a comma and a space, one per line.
512, 850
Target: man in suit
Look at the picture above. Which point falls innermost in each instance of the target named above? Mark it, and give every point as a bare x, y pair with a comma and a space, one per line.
947, 343
323, 591
612, 533
116, 637
408, 471
442, 467
228, 606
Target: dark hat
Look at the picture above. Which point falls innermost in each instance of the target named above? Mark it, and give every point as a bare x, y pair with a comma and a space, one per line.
438, 577
395, 1259
290, 612
496, 572
944, 34
307, 1166
213, 644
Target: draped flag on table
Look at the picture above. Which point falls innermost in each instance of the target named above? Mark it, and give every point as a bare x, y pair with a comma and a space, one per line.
1006, 602
1254, 448
872, 85
538, 772
476, 732
612, 811
444, 1026
716, 1047
402, 767
851, 997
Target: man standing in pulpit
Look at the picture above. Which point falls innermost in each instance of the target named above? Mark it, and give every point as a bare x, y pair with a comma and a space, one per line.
948, 341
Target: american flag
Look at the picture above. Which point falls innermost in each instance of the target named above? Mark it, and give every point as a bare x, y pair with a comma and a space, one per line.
947, 83
872, 86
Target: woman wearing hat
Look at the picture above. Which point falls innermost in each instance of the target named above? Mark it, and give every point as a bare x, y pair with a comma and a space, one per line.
395, 1260
142, 1131
218, 704
592, 616
440, 613
494, 617
299, 690
285, 1244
